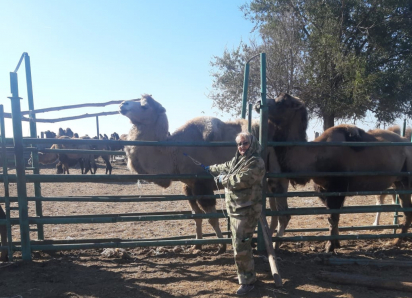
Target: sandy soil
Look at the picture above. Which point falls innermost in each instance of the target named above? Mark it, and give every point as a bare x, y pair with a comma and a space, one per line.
180, 271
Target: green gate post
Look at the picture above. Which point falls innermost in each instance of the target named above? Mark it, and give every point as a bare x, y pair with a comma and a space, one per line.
245, 89
263, 137
6, 183
249, 122
34, 154
20, 168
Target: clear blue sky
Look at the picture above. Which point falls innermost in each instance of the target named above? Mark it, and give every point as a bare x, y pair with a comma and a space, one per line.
98, 51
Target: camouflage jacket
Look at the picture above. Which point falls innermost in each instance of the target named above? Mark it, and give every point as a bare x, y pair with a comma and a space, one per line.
242, 178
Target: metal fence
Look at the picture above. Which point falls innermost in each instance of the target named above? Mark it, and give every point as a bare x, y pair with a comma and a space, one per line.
20, 146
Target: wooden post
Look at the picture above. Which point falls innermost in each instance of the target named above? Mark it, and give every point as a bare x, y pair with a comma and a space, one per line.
366, 281
270, 251
97, 126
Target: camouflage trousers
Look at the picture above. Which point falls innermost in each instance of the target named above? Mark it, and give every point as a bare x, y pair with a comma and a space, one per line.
242, 226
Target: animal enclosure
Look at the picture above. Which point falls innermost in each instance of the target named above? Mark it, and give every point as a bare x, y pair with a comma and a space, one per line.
22, 180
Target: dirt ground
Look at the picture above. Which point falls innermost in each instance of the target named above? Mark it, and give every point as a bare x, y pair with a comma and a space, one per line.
180, 271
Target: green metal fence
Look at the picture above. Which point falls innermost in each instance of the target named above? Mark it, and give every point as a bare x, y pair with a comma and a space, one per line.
27, 245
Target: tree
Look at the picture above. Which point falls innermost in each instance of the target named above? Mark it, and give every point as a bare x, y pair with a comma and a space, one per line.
283, 66
348, 56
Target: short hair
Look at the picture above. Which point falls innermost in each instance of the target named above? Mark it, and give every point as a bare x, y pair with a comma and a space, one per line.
244, 135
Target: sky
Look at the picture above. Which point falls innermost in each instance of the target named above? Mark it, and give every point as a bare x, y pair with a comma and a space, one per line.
98, 51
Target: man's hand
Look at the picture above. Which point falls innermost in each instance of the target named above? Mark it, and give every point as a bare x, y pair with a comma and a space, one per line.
219, 179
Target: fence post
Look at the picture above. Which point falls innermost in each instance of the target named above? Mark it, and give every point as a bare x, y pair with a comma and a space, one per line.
263, 137
97, 127
34, 154
245, 89
6, 184
20, 168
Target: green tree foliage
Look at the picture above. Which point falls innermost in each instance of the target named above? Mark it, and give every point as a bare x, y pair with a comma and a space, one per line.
342, 58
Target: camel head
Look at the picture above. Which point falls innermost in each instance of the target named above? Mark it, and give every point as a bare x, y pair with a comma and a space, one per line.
289, 116
61, 132
49, 134
48, 158
68, 132
283, 107
146, 111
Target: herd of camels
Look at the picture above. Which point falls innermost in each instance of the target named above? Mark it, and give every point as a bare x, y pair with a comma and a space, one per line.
287, 121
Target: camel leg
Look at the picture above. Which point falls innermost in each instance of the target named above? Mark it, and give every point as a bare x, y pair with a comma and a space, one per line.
59, 168
65, 168
278, 204
199, 234
405, 201
379, 201
335, 202
92, 165
214, 222
3, 235
208, 206
195, 210
108, 165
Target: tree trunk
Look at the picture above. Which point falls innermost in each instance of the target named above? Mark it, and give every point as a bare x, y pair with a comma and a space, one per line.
328, 121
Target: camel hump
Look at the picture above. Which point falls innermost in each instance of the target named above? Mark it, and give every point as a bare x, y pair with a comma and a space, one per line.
396, 129
204, 128
347, 133
212, 129
342, 133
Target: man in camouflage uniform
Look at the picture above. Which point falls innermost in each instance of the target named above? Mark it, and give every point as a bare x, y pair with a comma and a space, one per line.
242, 178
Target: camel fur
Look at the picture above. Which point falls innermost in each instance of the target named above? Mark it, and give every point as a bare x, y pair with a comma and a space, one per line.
289, 116
381, 198
150, 123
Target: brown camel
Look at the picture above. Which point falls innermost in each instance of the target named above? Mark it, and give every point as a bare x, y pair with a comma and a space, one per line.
150, 124
105, 157
289, 116
381, 198
68, 160
115, 137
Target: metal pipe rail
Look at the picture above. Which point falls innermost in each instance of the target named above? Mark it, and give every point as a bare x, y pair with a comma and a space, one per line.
339, 144
100, 240
181, 215
118, 199
76, 151
128, 244
28, 141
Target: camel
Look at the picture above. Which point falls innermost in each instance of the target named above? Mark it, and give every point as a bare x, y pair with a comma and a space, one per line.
68, 160
49, 134
105, 157
381, 198
289, 116
150, 123
115, 136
